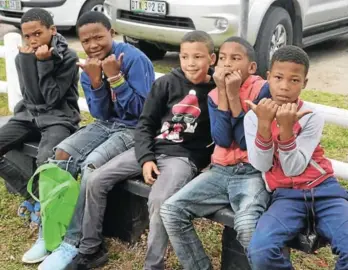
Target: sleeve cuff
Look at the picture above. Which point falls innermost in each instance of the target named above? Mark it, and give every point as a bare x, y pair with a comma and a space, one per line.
234, 120
99, 92
287, 145
45, 64
146, 158
121, 88
224, 113
262, 143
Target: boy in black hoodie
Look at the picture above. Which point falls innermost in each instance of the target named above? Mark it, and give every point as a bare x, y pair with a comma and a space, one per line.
172, 142
48, 78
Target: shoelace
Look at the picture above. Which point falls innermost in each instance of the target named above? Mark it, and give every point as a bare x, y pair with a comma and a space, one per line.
66, 250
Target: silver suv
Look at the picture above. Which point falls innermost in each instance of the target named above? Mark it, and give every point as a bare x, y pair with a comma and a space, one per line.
157, 26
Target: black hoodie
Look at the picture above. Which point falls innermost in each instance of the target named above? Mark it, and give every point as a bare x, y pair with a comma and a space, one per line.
175, 121
49, 88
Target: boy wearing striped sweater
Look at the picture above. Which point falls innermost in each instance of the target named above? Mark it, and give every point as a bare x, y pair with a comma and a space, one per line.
283, 141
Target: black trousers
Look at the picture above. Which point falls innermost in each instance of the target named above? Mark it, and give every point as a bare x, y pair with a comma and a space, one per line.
12, 136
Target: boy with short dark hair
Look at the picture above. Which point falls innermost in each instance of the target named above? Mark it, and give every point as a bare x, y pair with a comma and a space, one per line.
48, 80
230, 178
116, 79
283, 140
171, 143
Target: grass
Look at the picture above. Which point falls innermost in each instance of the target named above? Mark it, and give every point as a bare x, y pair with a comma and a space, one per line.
14, 233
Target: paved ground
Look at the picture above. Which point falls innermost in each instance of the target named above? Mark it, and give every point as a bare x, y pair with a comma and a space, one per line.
329, 62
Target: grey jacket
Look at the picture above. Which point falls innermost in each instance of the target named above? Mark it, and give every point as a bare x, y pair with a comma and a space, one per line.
49, 88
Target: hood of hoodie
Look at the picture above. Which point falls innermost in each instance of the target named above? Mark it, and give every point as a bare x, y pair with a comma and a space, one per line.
59, 45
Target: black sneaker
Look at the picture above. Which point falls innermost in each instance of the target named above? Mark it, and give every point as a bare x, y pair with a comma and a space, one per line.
89, 261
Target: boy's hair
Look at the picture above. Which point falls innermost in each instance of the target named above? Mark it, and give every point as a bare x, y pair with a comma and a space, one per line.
38, 14
291, 54
244, 43
93, 17
199, 36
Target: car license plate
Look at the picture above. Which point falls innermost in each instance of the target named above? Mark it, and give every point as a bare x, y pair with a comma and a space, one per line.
149, 7
11, 4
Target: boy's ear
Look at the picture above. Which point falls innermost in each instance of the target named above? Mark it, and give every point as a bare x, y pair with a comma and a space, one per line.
53, 29
112, 32
305, 83
252, 68
268, 75
213, 59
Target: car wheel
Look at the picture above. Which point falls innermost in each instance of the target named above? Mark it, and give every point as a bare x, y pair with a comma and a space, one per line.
275, 32
93, 5
151, 50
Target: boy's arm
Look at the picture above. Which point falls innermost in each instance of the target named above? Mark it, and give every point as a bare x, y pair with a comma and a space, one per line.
150, 121
54, 84
220, 125
98, 100
260, 150
296, 153
131, 94
19, 73
26, 62
237, 122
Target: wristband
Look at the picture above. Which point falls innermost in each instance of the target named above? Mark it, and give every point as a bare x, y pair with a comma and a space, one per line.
115, 78
117, 83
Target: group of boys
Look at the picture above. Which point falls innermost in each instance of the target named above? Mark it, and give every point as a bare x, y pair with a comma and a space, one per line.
262, 143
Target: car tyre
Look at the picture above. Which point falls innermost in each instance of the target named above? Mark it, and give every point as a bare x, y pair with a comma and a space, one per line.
275, 32
151, 50
92, 5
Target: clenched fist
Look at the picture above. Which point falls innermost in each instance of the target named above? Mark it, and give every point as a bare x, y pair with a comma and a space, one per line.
265, 111
93, 68
287, 115
26, 49
44, 53
150, 172
233, 82
112, 66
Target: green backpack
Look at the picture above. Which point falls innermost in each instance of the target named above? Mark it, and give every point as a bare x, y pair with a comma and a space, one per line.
58, 192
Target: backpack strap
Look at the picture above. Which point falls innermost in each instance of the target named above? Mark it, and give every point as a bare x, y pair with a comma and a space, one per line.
42, 168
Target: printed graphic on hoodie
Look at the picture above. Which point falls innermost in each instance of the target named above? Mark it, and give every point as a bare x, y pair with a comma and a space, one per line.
185, 115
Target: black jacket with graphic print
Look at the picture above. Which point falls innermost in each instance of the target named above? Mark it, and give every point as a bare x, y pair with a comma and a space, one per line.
49, 88
175, 121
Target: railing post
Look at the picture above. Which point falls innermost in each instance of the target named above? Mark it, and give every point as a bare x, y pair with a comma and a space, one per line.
244, 18
11, 43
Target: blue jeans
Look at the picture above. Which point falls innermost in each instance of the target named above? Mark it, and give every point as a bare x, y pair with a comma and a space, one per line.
241, 186
90, 148
287, 217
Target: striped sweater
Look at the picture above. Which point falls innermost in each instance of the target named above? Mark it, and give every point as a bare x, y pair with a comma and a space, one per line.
297, 163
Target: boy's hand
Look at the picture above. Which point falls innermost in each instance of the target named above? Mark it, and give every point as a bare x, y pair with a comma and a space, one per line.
112, 66
93, 68
44, 53
287, 115
150, 172
265, 111
26, 49
233, 82
219, 78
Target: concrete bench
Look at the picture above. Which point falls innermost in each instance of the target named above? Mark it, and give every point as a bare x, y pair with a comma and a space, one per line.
126, 215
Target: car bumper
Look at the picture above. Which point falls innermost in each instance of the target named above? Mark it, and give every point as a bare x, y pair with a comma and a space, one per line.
181, 19
64, 16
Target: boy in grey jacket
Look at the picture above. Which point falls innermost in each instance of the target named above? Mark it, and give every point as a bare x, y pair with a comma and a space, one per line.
48, 78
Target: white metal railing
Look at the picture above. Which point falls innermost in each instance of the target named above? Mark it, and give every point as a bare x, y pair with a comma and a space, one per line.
11, 87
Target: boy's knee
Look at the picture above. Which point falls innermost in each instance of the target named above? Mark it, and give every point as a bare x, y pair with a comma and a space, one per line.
169, 213
261, 254
61, 155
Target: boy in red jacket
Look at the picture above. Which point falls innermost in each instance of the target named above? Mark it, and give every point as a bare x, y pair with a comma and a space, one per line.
283, 142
